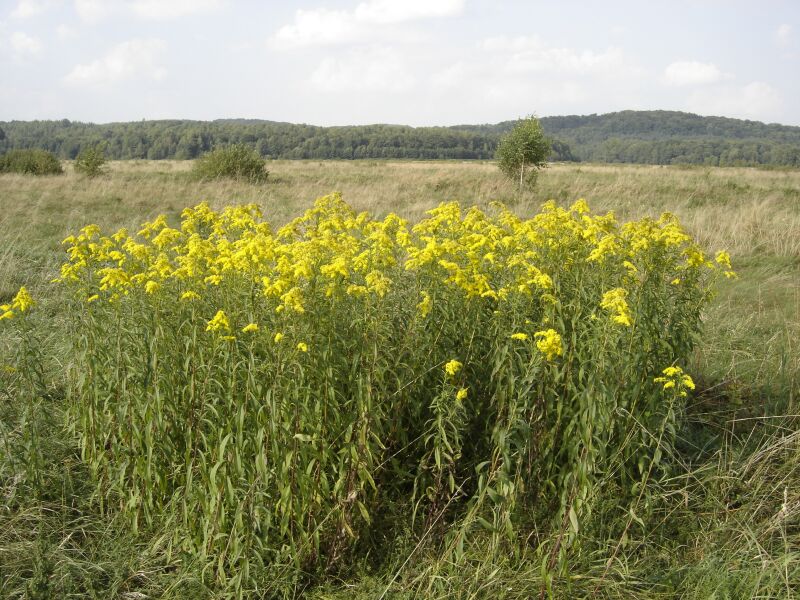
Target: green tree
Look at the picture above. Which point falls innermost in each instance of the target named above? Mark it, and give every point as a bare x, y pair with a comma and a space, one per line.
523, 151
90, 161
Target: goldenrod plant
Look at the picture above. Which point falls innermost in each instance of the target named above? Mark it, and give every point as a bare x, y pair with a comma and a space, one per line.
262, 393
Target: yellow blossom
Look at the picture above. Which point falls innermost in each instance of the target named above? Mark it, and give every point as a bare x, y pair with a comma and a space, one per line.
250, 328
462, 394
219, 322
519, 336
452, 367
549, 343
302, 346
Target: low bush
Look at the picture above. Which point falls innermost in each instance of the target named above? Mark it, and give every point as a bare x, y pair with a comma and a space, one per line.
238, 161
30, 162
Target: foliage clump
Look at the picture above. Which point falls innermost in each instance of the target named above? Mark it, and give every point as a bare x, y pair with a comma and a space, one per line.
238, 161
523, 151
30, 162
273, 395
90, 161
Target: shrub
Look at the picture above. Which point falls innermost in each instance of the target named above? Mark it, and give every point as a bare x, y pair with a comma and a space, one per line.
267, 396
30, 162
235, 162
90, 161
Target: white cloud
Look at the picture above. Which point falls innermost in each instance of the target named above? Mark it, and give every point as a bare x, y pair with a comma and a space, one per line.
138, 58
28, 8
65, 32
323, 26
392, 11
376, 70
95, 10
756, 100
529, 54
783, 35
692, 72
24, 45
172, 9
317, 27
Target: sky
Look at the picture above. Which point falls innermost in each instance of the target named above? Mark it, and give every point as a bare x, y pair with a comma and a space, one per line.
414, 62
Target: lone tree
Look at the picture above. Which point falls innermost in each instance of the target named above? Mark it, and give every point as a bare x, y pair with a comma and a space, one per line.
90, 161
523, 151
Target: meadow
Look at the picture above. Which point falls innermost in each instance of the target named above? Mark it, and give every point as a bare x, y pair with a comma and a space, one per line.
717, 516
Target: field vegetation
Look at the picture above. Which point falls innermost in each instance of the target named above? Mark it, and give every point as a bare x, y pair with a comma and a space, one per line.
431, 401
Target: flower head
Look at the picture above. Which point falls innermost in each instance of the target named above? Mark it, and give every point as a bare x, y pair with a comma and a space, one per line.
219, 322
549, 343
453, 367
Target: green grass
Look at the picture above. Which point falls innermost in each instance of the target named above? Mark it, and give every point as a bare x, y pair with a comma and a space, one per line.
725, 524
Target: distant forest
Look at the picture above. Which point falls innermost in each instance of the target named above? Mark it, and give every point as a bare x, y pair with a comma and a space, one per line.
649, 137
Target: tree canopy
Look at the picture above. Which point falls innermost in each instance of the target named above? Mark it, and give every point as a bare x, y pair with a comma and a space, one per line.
523, 151
651, 137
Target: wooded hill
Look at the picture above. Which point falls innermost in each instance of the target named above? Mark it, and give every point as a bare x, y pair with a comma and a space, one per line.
651, 137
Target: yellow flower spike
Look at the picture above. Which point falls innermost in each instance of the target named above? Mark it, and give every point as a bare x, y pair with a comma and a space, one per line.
723, 259
425, 305
462, 394
250, 328
302, 346
151, 287
190, 295
452, 367
23, 300
93, 298
519, 336
278, 337
614, 301
219, 322
9, 314
549, 343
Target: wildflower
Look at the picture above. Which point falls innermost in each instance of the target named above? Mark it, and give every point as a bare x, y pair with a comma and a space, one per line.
519, 336
549, 343
219, 322
190, 295
614, 301
302, 346
424, 307
7, 314
278, 337
22, 300
250, 328
151, 287
453, 367
461, 394
674, 378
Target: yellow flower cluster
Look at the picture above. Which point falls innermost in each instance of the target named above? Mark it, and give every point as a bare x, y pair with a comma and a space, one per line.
614, 301
333, 252
675, 378
21, 302
549, 343
452, 367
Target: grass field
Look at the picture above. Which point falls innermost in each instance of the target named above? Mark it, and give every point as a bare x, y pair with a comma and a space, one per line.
725, 524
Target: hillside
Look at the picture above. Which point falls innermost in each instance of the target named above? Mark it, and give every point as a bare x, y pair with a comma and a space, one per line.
649, 137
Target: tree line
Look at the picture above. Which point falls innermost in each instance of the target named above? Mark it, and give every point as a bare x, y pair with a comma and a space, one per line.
649, 137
